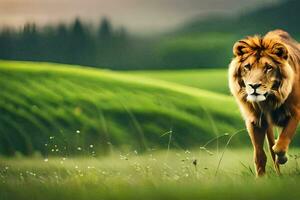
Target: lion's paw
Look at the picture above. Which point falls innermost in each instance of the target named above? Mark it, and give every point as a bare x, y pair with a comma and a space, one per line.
281, 159
280, 151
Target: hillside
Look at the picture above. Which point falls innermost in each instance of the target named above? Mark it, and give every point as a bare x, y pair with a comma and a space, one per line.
202, 79
62, 109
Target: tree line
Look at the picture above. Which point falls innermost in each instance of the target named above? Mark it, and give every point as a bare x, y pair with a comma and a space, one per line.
105, 46
76, 43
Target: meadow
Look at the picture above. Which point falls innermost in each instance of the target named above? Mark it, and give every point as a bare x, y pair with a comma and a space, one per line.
174, 174
73, 132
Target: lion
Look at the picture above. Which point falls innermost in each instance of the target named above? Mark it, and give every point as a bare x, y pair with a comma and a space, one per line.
264, 78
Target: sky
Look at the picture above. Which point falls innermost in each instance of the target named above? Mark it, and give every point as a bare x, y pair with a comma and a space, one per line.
136, 15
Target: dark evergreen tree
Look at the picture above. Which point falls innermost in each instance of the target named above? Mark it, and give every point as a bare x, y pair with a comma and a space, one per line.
105, 29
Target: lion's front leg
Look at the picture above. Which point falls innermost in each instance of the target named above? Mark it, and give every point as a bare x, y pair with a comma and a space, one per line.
257, 135
271, 143
282, 144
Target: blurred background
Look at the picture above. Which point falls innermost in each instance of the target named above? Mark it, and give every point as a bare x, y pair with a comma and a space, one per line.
137, 34
140, 74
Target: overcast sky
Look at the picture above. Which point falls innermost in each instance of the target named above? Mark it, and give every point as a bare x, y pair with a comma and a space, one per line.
135, 15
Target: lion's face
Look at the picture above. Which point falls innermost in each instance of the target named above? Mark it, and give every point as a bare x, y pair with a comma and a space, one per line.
260, 70
260, 77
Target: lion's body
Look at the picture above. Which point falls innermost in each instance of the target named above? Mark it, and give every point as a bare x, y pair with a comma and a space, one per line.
264, 77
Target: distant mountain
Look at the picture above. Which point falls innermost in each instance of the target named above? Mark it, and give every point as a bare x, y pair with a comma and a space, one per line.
284, 15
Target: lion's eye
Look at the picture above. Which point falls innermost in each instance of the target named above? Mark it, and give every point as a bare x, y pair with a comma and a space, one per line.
268, 68
247, 66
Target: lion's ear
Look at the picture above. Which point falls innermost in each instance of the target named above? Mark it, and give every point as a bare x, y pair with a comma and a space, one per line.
240, 48
280, 51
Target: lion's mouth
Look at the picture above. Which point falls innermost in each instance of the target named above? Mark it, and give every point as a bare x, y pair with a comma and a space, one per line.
255, 97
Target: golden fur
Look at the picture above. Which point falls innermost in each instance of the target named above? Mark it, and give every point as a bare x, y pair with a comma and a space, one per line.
264, 79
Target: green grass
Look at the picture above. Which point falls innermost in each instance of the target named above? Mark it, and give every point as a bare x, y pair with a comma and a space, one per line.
154, 175
128, 111
213, 80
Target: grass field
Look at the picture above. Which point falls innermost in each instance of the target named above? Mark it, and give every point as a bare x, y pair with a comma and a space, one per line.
72, 132
78, 106
154, 175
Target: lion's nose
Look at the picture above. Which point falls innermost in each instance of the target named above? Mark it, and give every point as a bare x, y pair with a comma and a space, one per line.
254, 86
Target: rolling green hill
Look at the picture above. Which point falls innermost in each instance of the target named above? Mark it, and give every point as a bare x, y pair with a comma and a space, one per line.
61, 109
211, 79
